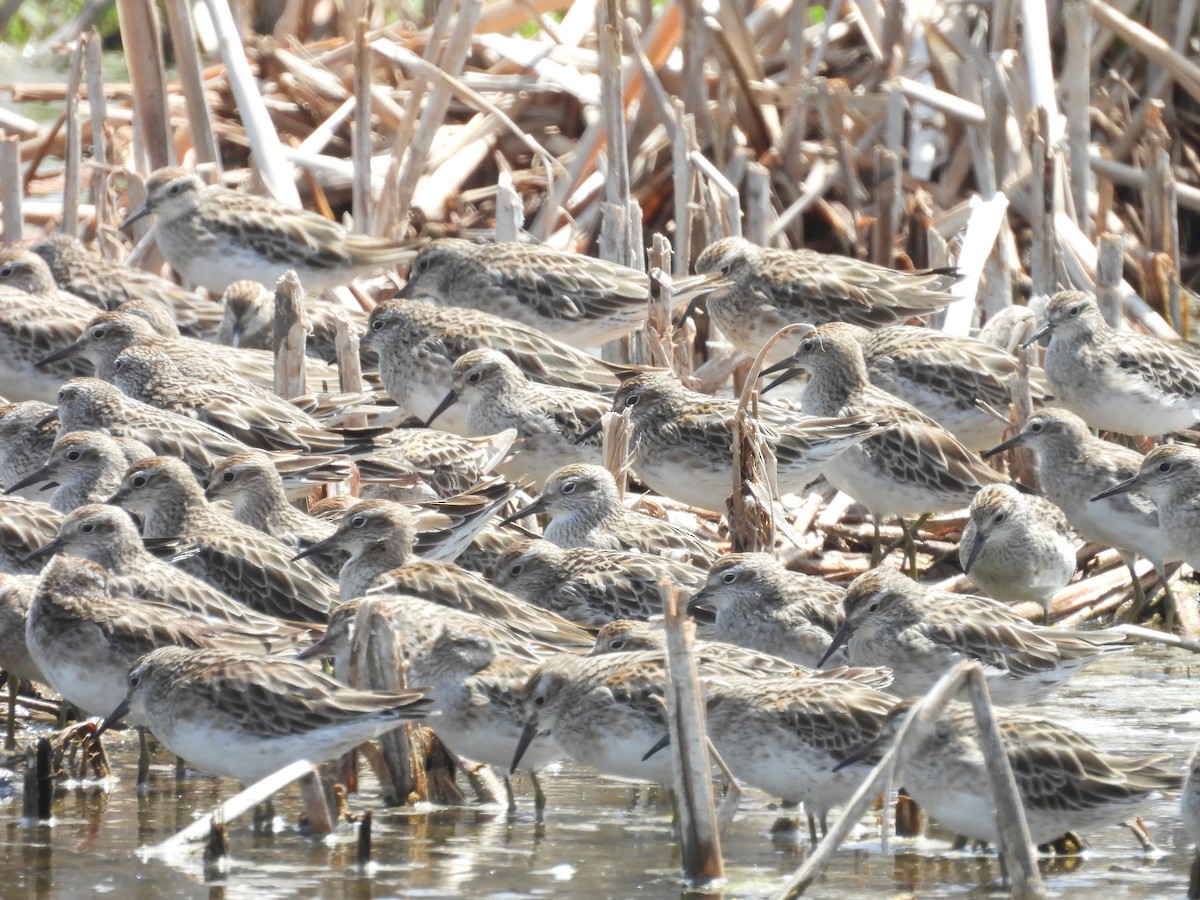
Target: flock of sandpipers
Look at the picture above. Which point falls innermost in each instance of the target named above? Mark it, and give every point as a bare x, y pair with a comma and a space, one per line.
169, 570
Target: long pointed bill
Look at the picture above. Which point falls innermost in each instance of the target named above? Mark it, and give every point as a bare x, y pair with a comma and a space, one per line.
980, 537
318, 547
140, 213
61, 353
317, 651
448, 401
842, 635
1015, 441
782, 379
535, 507
781, 366
47, 549
42, 474
1044, 329
590, 433
47, 419
1129, 484
528, 733
661, 744
871, 748
114, 717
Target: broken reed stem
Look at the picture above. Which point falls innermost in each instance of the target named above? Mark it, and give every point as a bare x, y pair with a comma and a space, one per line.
153, 139
235, 806
11, 194
73, 157
265, 146
376, 664
1016, 845
615, 437
191, 78
698, 829
361, 204
291, 337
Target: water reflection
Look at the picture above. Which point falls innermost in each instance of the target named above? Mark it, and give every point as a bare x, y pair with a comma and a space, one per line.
599, 838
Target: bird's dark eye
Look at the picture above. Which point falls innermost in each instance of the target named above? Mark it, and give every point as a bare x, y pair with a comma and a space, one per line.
569, 487
726, 269
423, 263
998, 518
73, 455
228, 477
98, 333
6, 272
119, 365
1074, 310
874, 607
1036, 427
631, 400
474, 377
808, 346
134, 679
87, 528
1164, 467
517, 569
358, 521
175, 189
377, 325
539, 701
729, 577
617, 644
139, 481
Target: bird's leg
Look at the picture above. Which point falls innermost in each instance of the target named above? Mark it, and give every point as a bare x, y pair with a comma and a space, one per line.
812, 826
143, 757
1138, 608
508, 792
1138, 827
910, 541
539, 796
876, 545
1194, 879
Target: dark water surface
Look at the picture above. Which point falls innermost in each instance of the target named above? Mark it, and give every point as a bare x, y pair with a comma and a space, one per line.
600, 838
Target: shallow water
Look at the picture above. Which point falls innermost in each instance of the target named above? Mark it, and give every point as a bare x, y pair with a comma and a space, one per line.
600, 838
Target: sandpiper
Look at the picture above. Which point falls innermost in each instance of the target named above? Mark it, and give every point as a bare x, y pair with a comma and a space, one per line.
551, 422
603, 711
476, 691
109, 285
962, 383
1017, 546
586, 511
148, 374
590, 586
760, 604
729, 659
107, 536
214, 236
1120, 381
771, 288
247, 716
30, 332
920, 632
682, 442
418, 344
581, 300
792, 737
16, 596
1073, 467
433, 463
84, 633
380, 535
108, 334
248, 321
26, 437
913, 469
241, 561
86, 466
1066, 783
1170, 476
